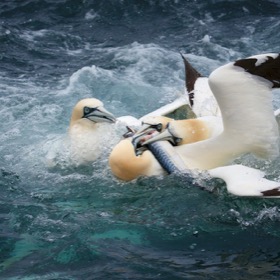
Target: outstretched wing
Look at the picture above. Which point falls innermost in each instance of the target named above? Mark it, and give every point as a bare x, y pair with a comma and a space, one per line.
246, 181
263, 65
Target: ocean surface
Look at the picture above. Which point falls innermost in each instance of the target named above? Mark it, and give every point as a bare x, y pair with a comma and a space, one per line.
60, 221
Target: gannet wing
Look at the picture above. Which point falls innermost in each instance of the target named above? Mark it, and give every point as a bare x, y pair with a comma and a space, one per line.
168, 108
277, 116
277, 113
246, 181
129, 121
191, 76
198, 96
201, 98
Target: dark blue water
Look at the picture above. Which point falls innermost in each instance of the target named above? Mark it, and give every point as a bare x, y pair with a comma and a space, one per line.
67, 222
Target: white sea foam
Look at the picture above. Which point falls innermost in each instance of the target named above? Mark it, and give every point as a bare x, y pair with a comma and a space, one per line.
91, 14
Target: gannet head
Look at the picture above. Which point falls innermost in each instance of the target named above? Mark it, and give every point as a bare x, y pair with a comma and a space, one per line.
180, 132
127, 166
91, 109
150, 125
86, 134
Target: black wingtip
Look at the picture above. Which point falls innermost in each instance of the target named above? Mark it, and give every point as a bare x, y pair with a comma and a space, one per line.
273, 192
191, 75
268, 69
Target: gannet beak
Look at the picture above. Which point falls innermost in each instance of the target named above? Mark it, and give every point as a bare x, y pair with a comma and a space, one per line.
143, 134
166, 135
130, 132
147, 127
139, 137
99, 114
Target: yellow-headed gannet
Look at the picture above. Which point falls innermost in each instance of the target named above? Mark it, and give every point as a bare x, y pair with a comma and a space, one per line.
88, 125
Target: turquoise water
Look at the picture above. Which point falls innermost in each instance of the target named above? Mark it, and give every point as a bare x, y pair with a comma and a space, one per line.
59, 221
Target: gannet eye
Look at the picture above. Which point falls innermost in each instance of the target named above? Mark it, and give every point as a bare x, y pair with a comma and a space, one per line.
175, 139
178, 140
130, 132
86, 110
159, 127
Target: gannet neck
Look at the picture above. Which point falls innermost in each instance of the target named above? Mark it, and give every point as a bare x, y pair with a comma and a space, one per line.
82, 131
204, 102
191, 130
82, 126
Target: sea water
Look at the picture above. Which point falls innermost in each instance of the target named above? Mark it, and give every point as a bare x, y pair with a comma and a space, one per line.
61, 221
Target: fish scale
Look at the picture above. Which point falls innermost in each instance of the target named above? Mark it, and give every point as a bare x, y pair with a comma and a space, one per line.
171, 162
163, 158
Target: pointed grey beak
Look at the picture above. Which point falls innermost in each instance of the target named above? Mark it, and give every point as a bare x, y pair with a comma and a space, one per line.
147, 127
165, 135
99, 114
141, 135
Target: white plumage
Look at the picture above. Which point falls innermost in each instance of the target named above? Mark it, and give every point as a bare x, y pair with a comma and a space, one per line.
245, 181
90, 124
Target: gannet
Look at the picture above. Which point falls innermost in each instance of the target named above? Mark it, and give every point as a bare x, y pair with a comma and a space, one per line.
88, 126
243, 92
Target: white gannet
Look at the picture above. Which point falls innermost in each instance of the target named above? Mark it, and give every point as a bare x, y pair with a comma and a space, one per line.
243, 91
89, 123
